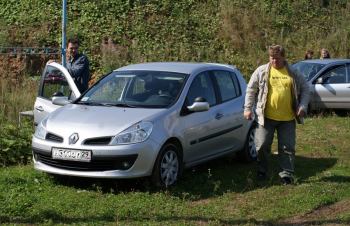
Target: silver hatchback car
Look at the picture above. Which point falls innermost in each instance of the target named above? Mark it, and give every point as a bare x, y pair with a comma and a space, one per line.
149, 119
330, 83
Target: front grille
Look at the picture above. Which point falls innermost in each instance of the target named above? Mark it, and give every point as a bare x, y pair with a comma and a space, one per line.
54, 138
98, 141
96, 164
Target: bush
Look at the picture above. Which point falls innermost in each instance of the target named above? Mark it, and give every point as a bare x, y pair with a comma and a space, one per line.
15, 143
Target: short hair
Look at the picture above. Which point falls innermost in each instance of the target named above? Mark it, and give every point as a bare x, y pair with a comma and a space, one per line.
276, 49
73, 40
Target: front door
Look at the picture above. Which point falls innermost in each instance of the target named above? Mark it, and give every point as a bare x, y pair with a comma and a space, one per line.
200, 126
55, 81
333, 89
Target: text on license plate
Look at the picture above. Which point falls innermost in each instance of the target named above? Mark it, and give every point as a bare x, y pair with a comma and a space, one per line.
71, 154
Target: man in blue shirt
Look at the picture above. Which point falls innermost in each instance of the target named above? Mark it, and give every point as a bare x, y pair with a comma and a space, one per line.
78, 65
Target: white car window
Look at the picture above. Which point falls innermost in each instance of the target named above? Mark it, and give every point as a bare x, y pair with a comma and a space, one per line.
54, 84
226, 85
335, 76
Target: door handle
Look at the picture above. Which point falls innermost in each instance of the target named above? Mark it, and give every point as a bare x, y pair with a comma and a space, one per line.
218, 116
39, 108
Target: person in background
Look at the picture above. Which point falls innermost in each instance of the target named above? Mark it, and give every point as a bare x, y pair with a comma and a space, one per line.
277, 95
78, 65
309, 55
324, 54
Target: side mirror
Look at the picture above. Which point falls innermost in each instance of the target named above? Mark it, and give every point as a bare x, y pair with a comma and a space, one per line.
60, 100
199, 104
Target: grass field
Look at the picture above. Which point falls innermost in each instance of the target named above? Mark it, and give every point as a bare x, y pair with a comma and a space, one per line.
221, 192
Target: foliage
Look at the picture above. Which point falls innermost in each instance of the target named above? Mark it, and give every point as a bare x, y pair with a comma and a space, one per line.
227, 31
15, 143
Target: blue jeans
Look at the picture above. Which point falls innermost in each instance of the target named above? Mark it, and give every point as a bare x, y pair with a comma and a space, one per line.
286, 145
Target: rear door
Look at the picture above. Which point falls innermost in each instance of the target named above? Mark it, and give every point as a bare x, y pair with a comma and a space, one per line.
229, 112
218, 130
334, 90
55, 81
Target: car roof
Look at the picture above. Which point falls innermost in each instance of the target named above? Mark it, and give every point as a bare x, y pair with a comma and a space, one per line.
179, 67
327, 61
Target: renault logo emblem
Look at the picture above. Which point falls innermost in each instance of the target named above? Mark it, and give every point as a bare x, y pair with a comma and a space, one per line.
73, 138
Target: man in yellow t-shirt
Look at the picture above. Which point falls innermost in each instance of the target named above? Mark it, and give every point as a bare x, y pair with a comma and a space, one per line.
277, 95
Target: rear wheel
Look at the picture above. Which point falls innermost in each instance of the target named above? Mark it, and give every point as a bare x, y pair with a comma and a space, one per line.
341, 113
168, 166
249, 154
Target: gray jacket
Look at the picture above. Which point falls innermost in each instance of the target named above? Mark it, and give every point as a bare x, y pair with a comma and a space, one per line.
257, 89
78, 68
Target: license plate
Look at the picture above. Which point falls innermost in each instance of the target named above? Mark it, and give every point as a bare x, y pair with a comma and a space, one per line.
71, 154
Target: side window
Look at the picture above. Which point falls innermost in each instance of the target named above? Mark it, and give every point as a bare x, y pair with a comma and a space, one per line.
54, 84
236, 83
226, 85
335, 76
348, 69
202, 86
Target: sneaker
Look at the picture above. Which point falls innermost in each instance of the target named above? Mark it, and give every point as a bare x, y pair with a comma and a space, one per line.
286, 180
261, 176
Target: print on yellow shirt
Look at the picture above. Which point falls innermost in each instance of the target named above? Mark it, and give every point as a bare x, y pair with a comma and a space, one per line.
279, 98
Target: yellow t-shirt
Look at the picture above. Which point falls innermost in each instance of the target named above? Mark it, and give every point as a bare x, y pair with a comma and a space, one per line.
279, 98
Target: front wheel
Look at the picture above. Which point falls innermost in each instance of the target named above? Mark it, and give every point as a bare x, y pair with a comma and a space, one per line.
249, 154
168, 166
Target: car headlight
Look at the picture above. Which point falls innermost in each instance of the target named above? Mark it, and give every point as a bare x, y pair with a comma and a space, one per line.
136, 133
40, 131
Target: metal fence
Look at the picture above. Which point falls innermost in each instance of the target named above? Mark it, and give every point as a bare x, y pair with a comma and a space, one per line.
29, 51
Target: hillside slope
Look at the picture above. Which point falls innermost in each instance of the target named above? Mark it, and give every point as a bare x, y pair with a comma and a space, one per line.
118, 32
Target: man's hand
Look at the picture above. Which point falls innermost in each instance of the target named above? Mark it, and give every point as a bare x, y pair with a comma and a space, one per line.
301, 113
50, 61
248, 115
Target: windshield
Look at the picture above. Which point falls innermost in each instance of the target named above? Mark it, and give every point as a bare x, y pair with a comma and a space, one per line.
308, 70
146, 89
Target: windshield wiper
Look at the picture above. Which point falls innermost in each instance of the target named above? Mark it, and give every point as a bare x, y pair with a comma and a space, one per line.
90, 103
106, 104
119, 105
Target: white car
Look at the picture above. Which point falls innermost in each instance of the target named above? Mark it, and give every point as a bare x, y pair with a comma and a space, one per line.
329, 80
141, 120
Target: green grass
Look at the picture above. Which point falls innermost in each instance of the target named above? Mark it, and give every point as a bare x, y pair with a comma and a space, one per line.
220, 192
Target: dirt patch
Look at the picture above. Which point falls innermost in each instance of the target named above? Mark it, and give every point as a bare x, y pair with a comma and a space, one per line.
325, 215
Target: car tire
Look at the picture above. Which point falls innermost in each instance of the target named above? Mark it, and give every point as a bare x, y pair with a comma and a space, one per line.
168, 166
341, 113
249, 154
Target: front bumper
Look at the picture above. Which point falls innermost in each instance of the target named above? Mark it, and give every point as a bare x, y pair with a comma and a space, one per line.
121, 161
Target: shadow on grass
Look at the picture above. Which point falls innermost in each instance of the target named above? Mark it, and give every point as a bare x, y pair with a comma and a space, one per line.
207, 180
220, 176
336, 179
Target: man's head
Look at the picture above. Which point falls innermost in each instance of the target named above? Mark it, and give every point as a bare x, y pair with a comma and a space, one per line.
72, 47
276, 53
